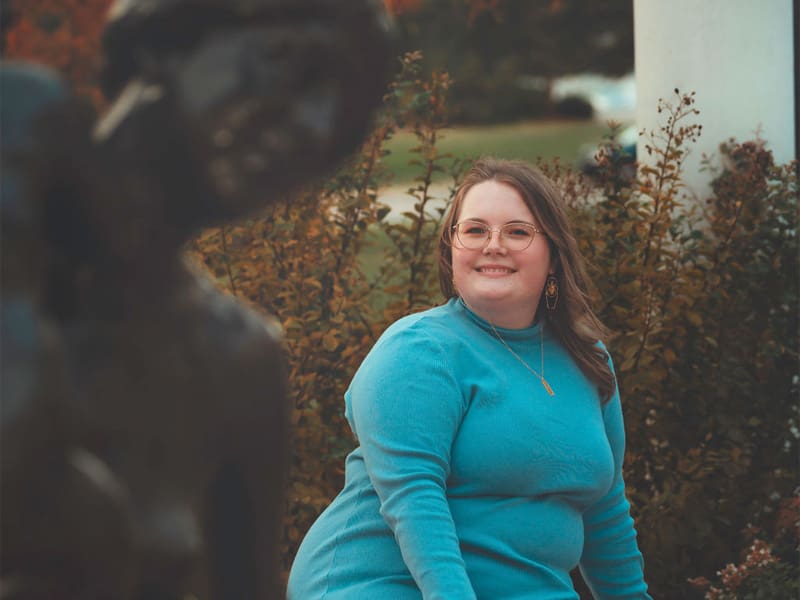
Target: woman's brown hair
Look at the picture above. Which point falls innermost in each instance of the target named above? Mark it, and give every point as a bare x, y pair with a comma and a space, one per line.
573, 322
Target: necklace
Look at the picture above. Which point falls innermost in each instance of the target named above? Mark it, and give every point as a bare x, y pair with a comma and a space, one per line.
517, 356
524, 364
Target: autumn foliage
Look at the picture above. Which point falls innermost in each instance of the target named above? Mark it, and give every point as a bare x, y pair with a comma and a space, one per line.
701, 296
63, 34
701, 299
304, 261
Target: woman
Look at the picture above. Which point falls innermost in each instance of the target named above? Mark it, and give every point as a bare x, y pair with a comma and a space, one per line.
490, 431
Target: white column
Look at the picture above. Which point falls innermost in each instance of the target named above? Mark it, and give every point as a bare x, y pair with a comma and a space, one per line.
737, 55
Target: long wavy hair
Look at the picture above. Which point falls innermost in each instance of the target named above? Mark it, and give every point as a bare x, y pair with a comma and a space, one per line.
573, 322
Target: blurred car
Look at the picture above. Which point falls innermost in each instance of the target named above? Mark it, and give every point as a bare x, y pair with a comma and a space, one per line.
612, 98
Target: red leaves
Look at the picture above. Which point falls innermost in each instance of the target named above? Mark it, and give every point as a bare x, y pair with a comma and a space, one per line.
399, 7
62, 34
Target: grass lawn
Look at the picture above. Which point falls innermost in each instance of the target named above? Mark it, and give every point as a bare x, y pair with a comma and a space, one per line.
526, 140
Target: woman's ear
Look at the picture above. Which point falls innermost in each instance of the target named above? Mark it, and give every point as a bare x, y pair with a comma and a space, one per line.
554, 262
554, 258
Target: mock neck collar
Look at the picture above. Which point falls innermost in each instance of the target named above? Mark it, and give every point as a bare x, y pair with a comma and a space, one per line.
508, 334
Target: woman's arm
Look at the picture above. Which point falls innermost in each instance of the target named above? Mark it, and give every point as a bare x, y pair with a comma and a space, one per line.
405, 407
611, 562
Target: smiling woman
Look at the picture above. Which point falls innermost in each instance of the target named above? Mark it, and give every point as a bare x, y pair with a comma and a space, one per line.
513, 190
472, 480
501, 278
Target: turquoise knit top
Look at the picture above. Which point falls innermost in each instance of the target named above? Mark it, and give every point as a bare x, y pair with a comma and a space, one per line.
469, 480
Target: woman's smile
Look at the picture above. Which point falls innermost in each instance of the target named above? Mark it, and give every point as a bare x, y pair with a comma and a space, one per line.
494, 270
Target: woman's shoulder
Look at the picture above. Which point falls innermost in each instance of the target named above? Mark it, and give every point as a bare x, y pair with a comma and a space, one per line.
412, 340
431, 321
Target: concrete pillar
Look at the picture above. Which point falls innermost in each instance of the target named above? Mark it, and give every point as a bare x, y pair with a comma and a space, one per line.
739, 58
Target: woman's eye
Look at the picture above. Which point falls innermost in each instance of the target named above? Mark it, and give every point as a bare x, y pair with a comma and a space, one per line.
518, 232
475, 230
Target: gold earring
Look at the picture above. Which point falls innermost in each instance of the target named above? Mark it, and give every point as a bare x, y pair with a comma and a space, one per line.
551, 292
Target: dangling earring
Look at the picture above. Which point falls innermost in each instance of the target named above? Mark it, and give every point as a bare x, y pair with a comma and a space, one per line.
551, 292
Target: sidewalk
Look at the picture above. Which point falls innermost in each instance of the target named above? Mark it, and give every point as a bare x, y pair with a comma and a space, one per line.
399, 200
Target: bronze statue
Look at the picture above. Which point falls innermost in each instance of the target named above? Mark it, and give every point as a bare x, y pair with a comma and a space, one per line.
144, 423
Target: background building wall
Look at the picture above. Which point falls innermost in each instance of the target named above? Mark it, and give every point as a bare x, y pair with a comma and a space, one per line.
738, 55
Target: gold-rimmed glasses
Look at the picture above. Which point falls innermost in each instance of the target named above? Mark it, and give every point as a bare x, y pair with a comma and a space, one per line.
515, 236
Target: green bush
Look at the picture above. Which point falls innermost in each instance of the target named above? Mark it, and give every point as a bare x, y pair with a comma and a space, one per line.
702, 300
574, 107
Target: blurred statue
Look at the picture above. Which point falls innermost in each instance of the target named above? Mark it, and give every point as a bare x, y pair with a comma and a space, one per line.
144, 422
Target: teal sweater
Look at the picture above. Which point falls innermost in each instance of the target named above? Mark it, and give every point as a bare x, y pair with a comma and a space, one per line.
469, 480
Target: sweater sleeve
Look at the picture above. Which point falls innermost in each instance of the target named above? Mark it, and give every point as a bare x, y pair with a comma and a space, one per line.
611, 563
405, 408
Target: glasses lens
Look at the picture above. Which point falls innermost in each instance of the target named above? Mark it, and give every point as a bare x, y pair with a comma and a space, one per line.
514, 236
472, 235
517, 236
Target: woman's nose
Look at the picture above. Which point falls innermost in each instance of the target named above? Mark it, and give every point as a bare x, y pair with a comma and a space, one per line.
493, 244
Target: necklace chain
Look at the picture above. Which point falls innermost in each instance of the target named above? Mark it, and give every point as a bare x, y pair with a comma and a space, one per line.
540, 377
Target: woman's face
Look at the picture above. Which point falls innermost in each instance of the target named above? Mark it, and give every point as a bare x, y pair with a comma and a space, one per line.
501, 286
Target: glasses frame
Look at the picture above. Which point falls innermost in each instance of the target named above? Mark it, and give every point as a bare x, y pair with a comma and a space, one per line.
492, 230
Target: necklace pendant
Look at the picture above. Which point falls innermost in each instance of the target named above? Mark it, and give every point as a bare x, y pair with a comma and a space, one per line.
547, 387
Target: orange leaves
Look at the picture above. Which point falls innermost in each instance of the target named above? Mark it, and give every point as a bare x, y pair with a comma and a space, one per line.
702, 306
302, 261
760, 575
399, 7
62, 34
479, 7
703, 302
299, 261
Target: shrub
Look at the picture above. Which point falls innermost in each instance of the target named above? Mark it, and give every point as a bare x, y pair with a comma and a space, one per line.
760, 576
497, 102
300, 260
574, 107
702, 301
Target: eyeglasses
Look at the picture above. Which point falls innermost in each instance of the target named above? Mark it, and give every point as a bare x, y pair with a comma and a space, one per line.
474, 235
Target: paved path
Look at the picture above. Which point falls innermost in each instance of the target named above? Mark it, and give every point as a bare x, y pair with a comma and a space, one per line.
398, 198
